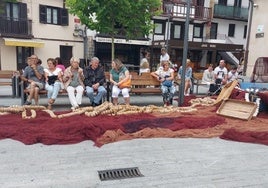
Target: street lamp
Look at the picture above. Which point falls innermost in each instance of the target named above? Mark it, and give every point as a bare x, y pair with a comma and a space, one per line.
251, 3
185, 50
169, 7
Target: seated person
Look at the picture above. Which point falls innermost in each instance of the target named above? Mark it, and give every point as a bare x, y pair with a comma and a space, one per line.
232, 74
53, 78
208, 75
118, 75
33, 75
73, 82
188, 77
220, 73
94, 81
166, 77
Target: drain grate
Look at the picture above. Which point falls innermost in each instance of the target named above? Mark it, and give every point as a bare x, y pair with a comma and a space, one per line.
121, 173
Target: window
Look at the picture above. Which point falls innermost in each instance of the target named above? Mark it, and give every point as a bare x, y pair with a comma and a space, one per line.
237, 3
213, 30
177, 31
159, 28
16, 11
222, 2
198, 31
245, 31
22, 54
231, 30
53, 15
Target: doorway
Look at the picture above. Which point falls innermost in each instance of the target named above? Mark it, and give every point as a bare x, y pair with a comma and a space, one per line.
22, 54
66, 53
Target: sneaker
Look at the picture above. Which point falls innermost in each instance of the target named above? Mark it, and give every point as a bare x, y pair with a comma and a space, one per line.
74, 108
27, 103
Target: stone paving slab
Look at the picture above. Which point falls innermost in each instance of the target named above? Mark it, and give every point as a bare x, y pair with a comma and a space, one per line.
164, 162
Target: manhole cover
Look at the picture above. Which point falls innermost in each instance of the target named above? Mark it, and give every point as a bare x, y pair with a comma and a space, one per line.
121, 173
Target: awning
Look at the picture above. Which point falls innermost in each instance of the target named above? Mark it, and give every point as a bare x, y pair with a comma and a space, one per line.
24, 42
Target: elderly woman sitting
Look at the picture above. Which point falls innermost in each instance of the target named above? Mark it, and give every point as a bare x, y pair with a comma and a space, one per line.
165, 75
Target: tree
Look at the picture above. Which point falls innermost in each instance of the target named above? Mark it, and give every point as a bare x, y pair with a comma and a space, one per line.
131, 18
2, 4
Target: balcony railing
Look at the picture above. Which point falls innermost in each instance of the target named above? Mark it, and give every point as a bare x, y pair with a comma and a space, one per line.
179, 11
230, 12
15, 27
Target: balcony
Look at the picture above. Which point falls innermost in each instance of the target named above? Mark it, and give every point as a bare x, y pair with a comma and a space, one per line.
179, 10
19, 28
231, 12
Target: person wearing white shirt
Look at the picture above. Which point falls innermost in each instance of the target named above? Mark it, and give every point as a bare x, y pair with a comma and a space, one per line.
164, 55
144, 64
232, 74
220, 73
208, 75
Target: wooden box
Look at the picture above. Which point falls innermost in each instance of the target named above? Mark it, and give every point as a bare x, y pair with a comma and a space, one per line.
237, 109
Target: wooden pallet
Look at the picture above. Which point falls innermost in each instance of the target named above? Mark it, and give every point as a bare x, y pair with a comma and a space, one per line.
237, 109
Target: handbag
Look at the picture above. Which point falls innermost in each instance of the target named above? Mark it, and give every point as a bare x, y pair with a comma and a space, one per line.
125, 84
167, 83
52, 79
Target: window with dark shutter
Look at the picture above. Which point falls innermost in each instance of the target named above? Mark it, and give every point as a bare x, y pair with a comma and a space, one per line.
231, 30
53, 15
64, 17
23, 11
42, 14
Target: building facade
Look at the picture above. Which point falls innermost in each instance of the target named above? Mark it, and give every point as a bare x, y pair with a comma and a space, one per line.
41, 27
217, 30
257, 41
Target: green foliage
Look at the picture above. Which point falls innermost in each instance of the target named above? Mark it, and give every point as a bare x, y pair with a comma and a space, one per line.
131, 18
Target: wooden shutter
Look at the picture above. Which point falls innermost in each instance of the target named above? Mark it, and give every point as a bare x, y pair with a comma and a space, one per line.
42, 14
64, 17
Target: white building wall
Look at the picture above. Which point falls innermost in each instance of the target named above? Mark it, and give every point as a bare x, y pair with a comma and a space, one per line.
223, 26
258, 46
8, 59
52, 35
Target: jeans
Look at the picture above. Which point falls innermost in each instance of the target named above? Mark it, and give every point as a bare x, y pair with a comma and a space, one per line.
168, 92
101, 91
53, 90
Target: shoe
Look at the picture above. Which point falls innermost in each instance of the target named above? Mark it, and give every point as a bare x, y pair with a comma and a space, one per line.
49, 106
95, 104
166, 104
170, 101
74, 108
51, 101
186, 94
27, 103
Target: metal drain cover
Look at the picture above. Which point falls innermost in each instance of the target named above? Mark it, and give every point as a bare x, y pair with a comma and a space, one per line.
121, 173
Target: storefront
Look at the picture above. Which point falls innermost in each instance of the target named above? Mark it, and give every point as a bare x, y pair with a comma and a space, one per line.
200, 53
129, 52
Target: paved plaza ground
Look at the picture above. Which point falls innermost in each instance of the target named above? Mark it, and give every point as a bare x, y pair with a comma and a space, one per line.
163, 162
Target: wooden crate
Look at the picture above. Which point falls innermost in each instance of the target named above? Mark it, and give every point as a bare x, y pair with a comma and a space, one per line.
237, 109
226, 91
